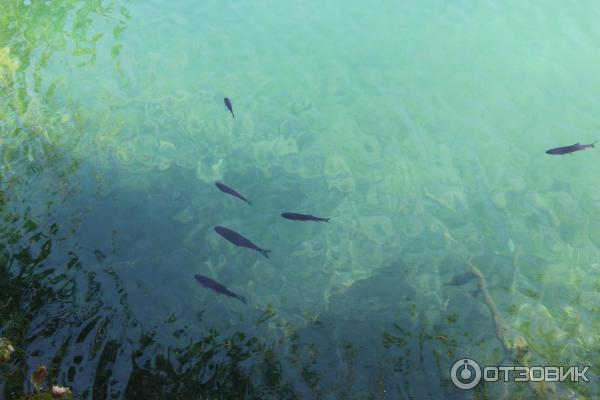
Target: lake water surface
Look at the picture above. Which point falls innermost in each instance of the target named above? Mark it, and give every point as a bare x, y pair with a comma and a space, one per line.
419, 127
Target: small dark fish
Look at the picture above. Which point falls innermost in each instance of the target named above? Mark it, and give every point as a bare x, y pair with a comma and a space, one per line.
226, 189
229, 106
239, 240
302, 217
217, 287
570, 149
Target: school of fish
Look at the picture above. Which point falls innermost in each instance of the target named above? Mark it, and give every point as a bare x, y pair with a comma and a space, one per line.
240, 241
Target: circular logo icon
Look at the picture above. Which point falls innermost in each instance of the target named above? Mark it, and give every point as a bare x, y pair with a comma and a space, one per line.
465, 373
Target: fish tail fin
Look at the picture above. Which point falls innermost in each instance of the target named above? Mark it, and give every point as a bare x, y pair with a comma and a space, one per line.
593, 143
265, 252
325, 219
249, 202
242, 299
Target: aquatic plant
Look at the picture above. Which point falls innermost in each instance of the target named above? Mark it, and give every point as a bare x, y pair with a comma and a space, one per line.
8, 67
6, 350
38, 379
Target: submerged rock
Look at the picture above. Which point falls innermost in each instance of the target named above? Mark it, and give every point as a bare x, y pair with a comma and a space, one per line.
184, 216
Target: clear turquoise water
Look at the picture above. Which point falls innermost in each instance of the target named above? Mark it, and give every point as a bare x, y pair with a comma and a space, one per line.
418, 127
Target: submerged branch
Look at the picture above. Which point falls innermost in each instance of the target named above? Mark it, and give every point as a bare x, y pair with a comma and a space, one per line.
515, 345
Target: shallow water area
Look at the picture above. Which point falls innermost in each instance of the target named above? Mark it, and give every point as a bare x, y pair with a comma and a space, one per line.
419, 128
